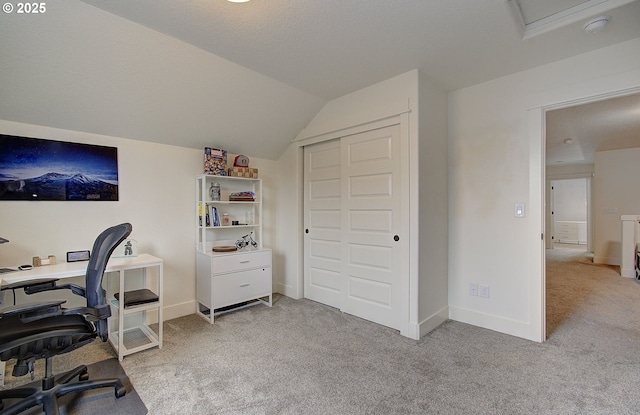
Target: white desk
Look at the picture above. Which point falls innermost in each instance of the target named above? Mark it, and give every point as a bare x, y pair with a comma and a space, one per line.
119, 265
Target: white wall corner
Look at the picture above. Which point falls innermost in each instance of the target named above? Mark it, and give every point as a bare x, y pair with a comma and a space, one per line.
434, 321
287, 290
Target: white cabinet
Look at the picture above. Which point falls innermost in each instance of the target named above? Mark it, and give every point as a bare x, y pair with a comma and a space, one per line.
571, 232
239, 278
231, 280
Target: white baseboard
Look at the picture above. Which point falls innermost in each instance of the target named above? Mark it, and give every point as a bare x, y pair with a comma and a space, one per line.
606, 260
500, 324
628, 272
416, 331
286, 290
178, 310
433, 321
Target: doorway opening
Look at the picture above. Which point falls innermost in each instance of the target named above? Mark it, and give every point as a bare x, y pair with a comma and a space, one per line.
572, 173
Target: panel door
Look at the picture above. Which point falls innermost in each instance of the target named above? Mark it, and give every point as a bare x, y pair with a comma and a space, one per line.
322, 221
371, 223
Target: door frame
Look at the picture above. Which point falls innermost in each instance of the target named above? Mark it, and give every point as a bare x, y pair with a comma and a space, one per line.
410, 325
549, 224
537, 186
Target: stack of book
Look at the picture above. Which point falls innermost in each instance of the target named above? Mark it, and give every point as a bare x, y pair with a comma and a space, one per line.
242, 197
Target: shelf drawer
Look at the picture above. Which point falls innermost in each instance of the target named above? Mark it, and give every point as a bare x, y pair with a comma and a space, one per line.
240, 261
241, 286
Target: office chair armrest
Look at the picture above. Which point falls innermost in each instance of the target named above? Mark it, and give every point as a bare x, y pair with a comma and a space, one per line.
50, 285
97, 313
43, 282
34, 311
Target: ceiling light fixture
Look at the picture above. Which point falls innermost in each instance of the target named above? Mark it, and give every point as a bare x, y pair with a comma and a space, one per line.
238, 1
597, 24
568, 141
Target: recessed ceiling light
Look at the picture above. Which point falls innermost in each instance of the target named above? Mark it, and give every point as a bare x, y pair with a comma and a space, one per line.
597, 24
238, 1
568, 141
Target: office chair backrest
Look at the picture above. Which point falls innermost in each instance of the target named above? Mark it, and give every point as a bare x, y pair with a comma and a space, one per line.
104, 245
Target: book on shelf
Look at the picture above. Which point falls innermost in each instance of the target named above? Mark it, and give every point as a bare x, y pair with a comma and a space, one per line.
246, 196
214, 217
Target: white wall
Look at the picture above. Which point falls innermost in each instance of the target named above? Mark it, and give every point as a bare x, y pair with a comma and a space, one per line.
496, 159
570, 200
433, 206
616, 194
157, 195
287, 250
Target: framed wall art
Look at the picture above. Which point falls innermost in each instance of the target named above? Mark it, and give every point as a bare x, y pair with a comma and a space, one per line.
38, 169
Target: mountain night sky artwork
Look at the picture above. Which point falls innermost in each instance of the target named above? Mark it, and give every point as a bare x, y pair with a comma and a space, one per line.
37, 169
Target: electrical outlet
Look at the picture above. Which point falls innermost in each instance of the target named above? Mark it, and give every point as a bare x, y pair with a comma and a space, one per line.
473, 289
483, 291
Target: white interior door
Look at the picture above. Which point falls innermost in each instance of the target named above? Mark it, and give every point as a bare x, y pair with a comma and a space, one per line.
371, 240
322, 222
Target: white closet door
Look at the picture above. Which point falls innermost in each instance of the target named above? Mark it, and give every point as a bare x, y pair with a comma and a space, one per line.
371, 243
322, 222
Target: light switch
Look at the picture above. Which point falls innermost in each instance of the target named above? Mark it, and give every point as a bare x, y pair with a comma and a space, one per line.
519, 211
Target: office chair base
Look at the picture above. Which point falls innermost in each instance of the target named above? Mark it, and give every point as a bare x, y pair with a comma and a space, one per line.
59, 386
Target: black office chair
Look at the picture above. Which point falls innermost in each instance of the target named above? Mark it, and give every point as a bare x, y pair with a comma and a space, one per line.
41, 331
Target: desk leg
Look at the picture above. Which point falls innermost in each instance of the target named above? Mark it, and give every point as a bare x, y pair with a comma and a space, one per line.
160, 297
121, 317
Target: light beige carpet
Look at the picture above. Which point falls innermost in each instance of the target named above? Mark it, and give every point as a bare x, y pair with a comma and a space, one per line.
300, 357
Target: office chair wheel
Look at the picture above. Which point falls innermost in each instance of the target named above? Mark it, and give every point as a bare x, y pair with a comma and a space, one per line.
120, 392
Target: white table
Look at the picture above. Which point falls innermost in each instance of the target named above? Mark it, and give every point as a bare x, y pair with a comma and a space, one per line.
119, 265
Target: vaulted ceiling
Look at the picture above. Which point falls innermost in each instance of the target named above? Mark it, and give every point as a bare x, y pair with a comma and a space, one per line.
332, 47
248, 77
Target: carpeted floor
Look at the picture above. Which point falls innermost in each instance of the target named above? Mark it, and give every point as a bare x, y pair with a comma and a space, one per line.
301, 357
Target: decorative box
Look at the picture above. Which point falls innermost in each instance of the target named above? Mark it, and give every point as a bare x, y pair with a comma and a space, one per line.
215, 161
246, 172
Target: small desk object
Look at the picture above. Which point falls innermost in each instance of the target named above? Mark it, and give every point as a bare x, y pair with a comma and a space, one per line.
125, 340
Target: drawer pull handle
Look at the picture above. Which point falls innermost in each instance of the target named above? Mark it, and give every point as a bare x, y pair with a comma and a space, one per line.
244, 262
245, 285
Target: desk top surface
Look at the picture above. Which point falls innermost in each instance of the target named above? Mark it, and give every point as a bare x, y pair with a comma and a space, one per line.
75, 269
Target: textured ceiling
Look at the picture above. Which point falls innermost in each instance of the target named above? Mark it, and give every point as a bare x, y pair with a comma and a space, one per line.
332, 47
612, 124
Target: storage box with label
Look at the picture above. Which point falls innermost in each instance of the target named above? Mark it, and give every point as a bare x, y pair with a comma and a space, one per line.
246, 172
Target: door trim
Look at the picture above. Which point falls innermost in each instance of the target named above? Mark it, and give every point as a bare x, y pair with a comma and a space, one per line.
409, 317
537, 180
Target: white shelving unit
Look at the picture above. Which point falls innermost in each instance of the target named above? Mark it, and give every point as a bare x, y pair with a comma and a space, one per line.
129, 327
228, 281
208, 235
